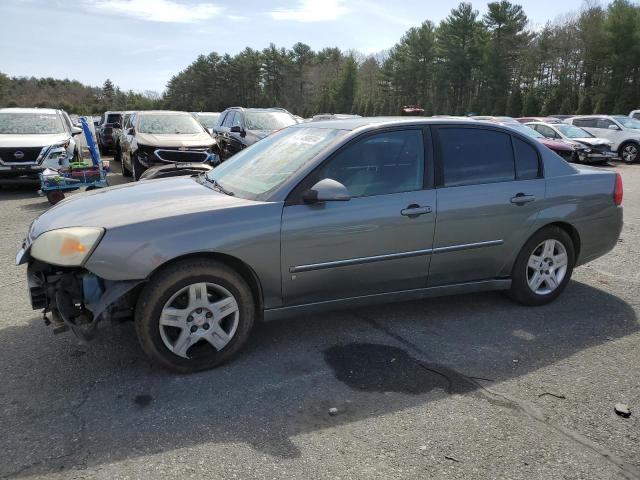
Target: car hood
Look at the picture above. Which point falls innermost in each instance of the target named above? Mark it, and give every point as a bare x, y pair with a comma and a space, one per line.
202, 139
555, 144
7, 140
593, 141
134, 203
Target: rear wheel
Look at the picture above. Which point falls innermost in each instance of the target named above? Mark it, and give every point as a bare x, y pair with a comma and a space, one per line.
194, 315
543, 267
629, 152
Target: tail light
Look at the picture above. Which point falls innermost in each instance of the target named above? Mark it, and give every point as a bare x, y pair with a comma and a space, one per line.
617, 191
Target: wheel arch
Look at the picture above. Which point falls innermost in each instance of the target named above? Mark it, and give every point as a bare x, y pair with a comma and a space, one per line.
570, 230
625, 143
245, 271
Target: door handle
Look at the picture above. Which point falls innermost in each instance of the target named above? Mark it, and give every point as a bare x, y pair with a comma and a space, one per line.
521, 199
414, 210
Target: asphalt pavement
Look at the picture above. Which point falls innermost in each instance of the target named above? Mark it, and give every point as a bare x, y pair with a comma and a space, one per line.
471, 386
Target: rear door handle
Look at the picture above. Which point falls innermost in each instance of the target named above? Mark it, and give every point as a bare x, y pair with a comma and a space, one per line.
414, 210
521, 199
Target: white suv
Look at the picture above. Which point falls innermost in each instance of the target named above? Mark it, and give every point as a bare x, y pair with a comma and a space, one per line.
32, 139
624, 132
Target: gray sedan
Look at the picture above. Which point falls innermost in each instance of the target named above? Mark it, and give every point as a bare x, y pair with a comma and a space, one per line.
320, 216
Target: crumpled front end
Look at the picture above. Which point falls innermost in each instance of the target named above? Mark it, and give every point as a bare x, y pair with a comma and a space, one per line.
72, 298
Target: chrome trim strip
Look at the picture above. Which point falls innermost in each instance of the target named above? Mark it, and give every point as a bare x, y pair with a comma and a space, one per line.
358, 261
391, 256
203, 152
467, 246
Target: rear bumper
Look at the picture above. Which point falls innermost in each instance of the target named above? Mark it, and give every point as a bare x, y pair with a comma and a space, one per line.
600, 235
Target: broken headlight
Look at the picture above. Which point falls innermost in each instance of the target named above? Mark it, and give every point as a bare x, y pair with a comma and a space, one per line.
66, 247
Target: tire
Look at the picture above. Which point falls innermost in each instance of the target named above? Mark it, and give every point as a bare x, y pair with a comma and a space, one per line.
629, 152
125, 171
136, 167
117, 154
523, 273
161, 342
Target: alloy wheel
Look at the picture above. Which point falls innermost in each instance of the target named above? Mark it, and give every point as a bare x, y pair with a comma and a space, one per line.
630, 153
547, 267
201, 315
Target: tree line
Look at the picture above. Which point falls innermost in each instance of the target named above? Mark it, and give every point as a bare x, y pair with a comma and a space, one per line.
587, 62
491, 64
72, 96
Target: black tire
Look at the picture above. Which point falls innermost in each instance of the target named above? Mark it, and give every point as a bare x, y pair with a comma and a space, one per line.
520, 290
634, 145
136, 167
125, 171
117, 154
169, 280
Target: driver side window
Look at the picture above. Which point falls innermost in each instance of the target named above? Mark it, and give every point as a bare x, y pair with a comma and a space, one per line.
380, 164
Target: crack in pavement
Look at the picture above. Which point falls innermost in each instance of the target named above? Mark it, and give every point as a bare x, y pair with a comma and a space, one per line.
79, 433
497, 398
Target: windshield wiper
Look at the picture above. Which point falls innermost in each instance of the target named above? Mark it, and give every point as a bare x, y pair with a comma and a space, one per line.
216, 185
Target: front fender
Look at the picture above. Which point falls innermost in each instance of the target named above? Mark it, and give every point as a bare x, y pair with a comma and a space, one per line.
250, 234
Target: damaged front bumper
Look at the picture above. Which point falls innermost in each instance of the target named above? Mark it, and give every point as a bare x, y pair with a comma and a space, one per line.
76, 299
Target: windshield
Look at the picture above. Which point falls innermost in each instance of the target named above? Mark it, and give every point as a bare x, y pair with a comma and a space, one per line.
267, 164
268, 120
628, 122
526, 130
571, 131
14, 123
169, 124
113, 118
208, 120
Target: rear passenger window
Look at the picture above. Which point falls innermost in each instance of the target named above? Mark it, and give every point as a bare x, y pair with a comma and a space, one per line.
527, 164
585, 122
474, 155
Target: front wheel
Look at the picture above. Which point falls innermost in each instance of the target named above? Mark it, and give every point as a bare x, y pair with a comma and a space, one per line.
137, 168
194, 315
629, 152
543, 267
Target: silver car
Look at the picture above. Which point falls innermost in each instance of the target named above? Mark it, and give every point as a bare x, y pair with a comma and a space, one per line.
319, 216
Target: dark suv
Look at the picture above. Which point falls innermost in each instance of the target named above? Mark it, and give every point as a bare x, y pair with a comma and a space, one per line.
161, 137
104, 132
238, 127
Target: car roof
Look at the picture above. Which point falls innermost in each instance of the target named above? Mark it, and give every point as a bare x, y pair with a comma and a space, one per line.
162, 112
355, 123
30, 110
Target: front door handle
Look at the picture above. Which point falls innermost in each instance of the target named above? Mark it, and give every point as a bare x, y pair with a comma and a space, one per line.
521, 199
415, 210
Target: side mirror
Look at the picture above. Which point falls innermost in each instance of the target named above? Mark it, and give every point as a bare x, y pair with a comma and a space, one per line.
236, 129
613, 127
117, 125
131, 131
326, 190
76, 131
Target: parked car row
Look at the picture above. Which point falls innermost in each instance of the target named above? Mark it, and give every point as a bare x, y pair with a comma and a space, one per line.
584, 138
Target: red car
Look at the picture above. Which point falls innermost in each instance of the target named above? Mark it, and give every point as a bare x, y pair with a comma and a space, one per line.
567, 150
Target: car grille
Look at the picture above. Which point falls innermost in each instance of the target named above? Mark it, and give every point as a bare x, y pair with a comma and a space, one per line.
601, 148
29, 155
192, 156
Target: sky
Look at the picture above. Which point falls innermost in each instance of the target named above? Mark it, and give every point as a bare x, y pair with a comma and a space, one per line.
140, 44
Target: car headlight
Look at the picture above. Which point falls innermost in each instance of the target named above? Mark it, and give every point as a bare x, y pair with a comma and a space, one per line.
66, 247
